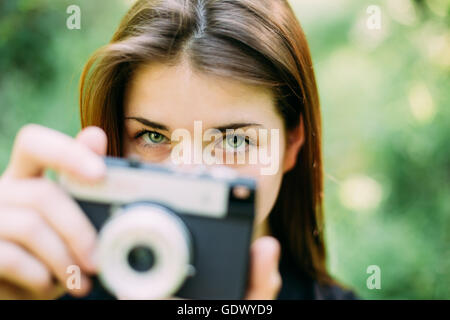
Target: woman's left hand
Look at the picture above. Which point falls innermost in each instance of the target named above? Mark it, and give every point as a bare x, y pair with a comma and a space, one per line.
264, 279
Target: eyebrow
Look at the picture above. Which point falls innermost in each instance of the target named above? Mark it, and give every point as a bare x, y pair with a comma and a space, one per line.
234, 126
223, 128
149, 123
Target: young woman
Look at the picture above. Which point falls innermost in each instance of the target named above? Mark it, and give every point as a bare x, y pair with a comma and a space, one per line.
231, 64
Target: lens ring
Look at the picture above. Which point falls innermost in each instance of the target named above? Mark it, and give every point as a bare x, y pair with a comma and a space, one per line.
152, 226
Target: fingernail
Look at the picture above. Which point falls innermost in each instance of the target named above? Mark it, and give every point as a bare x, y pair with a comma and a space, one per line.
94, 168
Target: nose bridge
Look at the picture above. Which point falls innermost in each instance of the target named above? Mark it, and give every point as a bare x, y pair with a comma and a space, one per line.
188, 150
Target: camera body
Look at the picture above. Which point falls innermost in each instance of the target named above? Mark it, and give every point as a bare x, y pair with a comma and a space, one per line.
164, 232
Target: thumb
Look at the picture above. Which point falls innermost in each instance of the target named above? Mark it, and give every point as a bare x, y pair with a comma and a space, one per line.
264, 279
94, 138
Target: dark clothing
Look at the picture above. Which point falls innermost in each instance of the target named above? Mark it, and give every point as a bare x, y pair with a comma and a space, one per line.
299, 286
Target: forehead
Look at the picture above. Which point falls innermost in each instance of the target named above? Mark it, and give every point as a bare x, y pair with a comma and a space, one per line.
177, 96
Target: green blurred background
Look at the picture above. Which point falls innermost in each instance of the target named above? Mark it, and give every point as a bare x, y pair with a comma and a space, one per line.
385, 98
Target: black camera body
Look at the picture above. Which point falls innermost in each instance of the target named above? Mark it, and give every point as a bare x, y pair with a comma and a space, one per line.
166, 233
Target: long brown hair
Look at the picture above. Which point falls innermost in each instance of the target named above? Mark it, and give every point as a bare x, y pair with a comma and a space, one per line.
255, 41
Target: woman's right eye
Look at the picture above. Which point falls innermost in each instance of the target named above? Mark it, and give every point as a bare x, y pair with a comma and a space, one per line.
152, 138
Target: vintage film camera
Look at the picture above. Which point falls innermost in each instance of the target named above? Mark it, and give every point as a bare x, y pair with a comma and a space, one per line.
165, 232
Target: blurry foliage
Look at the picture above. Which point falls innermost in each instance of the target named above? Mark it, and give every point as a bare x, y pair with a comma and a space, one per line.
26, 28
385, 101
385, 97
41, 61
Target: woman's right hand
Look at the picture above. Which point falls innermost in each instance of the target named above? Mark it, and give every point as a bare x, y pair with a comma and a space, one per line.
42, 230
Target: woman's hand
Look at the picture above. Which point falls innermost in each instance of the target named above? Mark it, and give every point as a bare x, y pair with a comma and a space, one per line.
42, 230
265, 279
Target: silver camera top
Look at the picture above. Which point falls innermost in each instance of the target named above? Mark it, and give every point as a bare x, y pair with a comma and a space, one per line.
200, 191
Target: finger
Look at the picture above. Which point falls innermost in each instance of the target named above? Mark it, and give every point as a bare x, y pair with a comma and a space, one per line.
264, 279
10, 291
28, 229
37, 148
19, 267
59, 211
94, 138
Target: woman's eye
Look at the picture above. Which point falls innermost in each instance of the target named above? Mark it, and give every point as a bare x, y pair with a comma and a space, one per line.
235, 141
153, 138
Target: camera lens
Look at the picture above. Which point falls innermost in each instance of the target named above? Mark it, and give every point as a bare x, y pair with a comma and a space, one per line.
141, 258
144, 252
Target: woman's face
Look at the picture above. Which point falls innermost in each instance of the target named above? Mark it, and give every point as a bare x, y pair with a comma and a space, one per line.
161, 99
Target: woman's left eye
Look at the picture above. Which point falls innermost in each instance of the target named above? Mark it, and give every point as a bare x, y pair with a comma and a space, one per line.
235, 141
